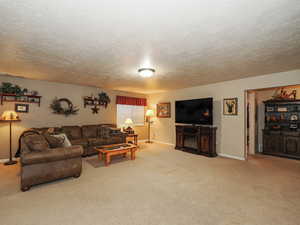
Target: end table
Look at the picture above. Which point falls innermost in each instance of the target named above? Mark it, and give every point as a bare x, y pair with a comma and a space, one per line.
134, 136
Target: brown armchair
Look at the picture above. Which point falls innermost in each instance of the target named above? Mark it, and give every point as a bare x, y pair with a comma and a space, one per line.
40, 163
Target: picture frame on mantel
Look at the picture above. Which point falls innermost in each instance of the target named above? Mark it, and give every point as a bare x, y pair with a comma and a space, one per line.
163, 110
230, 106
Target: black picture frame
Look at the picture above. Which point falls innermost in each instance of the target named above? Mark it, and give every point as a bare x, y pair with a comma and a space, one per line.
22, 108
230, 106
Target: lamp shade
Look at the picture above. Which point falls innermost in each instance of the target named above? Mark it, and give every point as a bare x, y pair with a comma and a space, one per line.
149, 112
128, 121
10, 116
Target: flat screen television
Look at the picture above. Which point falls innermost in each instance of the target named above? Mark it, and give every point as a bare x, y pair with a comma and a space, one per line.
195, 111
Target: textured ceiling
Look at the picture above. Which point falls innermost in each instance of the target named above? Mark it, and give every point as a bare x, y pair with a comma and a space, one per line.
189, 43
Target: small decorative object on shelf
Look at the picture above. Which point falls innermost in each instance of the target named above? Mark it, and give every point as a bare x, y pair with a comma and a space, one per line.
284, 113
14, 93
9, 88
63, 106
281, 94
163, 110
102, 100
230, 106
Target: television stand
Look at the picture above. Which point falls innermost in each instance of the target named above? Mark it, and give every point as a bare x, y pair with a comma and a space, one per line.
196, 139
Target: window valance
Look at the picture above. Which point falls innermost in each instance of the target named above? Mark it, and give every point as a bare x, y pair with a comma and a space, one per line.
124, 100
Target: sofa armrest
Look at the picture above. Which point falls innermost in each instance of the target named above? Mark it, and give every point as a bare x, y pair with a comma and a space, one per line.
50, 155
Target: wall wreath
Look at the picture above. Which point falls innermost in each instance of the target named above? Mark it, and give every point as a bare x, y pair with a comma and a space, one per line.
63, 106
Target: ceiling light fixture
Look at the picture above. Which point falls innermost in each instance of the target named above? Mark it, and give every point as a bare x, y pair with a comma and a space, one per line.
146, 72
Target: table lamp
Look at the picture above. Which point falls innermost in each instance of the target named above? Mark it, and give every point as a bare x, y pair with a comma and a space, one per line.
128, 122
149, 114
10, 117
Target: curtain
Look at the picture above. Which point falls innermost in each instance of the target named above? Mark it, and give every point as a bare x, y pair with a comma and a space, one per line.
124, 100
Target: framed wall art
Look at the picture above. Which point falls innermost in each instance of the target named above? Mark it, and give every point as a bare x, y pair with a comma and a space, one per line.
163, 110
230, 106
22, 108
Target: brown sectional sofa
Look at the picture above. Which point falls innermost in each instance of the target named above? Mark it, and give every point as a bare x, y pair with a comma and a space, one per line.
90, 136
49, 164
40, 163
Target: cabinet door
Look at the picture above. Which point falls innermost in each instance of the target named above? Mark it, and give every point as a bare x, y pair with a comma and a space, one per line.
179, 140
204, 143
292, 145
272, 144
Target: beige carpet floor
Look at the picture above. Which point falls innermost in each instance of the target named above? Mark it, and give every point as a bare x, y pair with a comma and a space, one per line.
161, 187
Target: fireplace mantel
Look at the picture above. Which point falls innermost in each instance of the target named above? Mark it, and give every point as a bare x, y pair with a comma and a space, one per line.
196, 139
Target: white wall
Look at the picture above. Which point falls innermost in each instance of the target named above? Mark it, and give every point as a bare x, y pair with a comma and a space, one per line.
231, 129
43, 116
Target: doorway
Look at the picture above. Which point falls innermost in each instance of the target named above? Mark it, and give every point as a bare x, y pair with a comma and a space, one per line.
255, 116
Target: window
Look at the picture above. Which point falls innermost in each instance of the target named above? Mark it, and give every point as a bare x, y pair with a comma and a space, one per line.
134, 112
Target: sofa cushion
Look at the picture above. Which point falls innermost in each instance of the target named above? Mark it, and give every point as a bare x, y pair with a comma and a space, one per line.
108, 125
83, 142
51, 155
98, 141
72, 132
54, 141
89, 131
103, 131
115, 130
36, 142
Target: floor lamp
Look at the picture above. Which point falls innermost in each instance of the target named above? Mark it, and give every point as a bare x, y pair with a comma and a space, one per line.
149, 114
10, 117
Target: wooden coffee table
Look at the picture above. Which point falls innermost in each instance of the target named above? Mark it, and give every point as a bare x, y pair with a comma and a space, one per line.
106, 151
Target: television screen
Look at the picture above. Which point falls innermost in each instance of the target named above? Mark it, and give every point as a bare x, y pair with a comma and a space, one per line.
195, 111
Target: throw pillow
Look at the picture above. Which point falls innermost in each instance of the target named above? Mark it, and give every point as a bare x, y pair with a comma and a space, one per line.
54, 142
36, 142
63, 136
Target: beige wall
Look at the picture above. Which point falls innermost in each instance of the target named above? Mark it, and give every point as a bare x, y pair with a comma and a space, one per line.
43, 116
231, 129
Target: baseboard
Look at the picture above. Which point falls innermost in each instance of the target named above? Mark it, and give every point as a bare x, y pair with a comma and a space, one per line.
231, 156
155, 141
161, 142
5, 160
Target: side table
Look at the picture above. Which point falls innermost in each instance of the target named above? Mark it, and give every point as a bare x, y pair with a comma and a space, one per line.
134, 136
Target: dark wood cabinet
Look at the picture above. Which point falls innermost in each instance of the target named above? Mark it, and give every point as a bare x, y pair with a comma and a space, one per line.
281, 136
272, 142
291, 143
282, 143
196, 139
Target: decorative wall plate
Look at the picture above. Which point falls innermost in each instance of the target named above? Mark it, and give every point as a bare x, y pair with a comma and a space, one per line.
294, 117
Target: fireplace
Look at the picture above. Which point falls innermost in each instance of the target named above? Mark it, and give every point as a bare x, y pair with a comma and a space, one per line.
190, 142
196, 139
